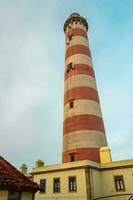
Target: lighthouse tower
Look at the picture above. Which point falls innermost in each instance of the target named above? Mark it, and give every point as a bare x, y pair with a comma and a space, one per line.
83, 128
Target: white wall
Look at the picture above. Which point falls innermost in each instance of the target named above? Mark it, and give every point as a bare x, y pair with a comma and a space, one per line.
104, 181
80, 194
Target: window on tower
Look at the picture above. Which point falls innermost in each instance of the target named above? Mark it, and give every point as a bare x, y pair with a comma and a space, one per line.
72, 157
69, 38
70, 66
71, 104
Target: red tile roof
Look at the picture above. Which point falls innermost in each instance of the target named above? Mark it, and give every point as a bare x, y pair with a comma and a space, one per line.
12, 179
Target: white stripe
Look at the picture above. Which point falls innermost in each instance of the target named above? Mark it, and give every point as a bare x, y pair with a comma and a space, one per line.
79, 59
84, 139
79, 81
78, 40
82, 107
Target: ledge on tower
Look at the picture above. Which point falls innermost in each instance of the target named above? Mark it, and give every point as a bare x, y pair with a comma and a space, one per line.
75, 17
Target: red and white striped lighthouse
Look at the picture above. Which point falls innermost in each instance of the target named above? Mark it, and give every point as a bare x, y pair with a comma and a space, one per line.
83, 128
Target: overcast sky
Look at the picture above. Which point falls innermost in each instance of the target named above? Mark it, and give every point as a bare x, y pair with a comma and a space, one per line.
31, 75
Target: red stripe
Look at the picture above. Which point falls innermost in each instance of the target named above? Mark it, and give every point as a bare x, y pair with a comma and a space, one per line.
83, 122
77, 49
82, 154
77, 32
81, 93
80, 69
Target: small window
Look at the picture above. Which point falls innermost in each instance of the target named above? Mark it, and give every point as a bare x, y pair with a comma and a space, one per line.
13, 195
43, 185
71, 104
119, 183
72, 184
70, 66
72, 157
69, 39
56, 184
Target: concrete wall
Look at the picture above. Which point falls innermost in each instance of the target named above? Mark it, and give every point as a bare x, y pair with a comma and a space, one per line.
81, 192
25, 195
3, 194
95, 178
108, 186
103, 183
99, 180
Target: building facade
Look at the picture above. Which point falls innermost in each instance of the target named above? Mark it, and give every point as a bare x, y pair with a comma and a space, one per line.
86, 180
14, 185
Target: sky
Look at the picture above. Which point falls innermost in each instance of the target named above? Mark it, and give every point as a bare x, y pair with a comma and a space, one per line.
32, 69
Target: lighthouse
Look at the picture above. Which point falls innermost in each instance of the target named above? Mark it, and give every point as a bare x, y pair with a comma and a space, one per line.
87, 171
83, 127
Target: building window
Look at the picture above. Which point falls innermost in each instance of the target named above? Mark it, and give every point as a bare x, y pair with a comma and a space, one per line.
71, 104
67, 40
70, 66
72, 184
72, 157
13, 195
70, 37
43, 185
119, 183
56, 185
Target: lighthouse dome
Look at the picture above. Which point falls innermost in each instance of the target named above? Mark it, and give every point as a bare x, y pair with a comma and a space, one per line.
75, 14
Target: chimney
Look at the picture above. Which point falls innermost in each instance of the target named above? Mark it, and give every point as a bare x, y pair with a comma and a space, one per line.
23, 169
39, 163
105, 155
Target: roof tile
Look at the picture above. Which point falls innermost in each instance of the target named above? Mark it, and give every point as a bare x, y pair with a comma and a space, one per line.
11, 178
